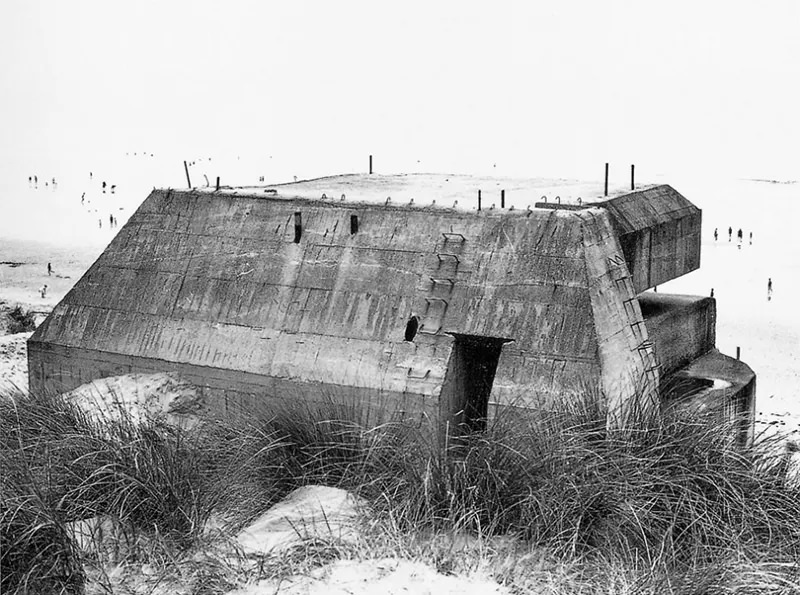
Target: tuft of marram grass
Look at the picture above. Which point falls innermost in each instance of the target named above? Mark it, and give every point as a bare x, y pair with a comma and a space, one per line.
666, 504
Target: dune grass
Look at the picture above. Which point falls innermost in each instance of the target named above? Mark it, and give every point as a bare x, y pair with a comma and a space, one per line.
664, 505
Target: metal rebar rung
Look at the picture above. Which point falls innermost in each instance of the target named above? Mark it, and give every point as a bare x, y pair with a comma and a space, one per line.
427, 331
410, 375
432, 299
451, 236
439, 281
443, 256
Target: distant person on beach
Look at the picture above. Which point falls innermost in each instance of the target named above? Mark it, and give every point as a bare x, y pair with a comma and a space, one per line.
104, 187
730, 233
100, 223
113, 188
751, 238
83, 197
43, 291
739, 234
49, 269
769, 289
715, 234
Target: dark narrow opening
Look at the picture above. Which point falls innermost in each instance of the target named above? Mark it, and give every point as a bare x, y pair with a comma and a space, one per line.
464, 401
353, 224
298, 227
411, 328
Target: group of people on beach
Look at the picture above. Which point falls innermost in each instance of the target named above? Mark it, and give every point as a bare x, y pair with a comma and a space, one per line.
740, 239
112, 222
739, 236
34, 179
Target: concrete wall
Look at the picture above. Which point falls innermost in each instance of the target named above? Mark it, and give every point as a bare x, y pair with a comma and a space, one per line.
56, 369
682, 327
659, 231
627, 359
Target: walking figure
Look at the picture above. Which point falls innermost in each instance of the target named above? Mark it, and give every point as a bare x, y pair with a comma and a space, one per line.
715, 234
104, 187
49, 269
111, 220
769, 289
730, 233
43, 291
739, 234
751, 238
83, 197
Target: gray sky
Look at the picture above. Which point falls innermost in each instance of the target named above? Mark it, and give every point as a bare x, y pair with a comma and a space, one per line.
553, 88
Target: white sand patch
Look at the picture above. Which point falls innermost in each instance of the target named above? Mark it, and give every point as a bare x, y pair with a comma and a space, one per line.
368, 577
14, 361
318, 512
137, 397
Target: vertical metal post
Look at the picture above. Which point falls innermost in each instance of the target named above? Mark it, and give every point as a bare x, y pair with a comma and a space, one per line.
738, 352
605, 191
632, 168
502, 199
370, 164
217, 182
186, 169
479, 200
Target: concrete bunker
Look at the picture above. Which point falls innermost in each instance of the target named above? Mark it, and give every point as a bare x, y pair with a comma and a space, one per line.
205, 284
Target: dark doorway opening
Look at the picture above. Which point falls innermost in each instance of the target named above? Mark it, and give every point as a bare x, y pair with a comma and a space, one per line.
464, 401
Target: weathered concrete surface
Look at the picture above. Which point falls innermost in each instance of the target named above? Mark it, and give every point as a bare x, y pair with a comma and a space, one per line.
721, 384
659, 231
627, 358
270, 296
228, 392
682, 327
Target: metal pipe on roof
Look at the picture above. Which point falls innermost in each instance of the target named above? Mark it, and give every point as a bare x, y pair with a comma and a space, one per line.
370, 164
605, 192
632, 168
479, 200
186, 169
502, 199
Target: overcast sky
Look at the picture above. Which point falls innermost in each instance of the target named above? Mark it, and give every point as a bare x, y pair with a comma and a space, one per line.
540, 88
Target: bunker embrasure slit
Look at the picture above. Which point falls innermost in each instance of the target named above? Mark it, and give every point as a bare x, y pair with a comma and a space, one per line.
298, 226
353, 224
411, 328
